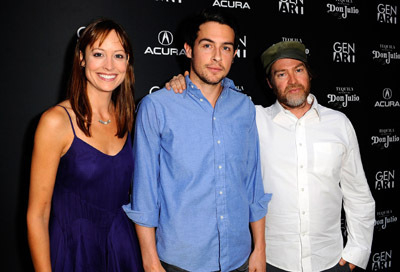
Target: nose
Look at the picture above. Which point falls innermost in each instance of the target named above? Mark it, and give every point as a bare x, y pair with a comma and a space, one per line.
292, 78
217, 55
109, 64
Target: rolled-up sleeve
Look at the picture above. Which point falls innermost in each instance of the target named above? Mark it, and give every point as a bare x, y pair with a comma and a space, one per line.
258, 199
144, 206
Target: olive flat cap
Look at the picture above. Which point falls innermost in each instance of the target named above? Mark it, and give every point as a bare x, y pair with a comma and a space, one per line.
283, 50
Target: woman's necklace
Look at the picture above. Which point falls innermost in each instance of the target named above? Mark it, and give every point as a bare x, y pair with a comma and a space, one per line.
105, 122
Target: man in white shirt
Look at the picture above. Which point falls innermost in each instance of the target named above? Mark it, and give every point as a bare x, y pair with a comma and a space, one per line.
311, 164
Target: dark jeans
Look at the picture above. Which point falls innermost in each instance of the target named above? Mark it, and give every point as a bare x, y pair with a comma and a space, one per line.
172, 268
336, 268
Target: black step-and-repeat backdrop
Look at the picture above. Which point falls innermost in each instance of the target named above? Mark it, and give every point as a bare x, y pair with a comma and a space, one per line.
354, 50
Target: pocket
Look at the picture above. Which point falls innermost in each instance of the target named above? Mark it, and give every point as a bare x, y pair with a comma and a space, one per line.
327, 158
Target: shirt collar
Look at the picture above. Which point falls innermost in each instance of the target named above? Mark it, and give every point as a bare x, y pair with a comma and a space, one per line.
226, 84
277, 108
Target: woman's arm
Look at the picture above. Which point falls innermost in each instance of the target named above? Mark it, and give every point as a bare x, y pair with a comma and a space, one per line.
51, 140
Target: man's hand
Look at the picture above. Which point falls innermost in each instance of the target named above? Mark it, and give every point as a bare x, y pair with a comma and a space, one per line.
257, 261
177, 83
343, 262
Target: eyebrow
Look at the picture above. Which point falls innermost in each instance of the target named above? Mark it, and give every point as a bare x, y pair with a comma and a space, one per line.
211, 41
297, 66
99, 48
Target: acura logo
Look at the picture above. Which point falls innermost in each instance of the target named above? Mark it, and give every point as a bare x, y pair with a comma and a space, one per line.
387, 93
165, 37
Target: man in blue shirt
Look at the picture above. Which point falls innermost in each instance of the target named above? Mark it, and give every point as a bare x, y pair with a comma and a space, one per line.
197, 183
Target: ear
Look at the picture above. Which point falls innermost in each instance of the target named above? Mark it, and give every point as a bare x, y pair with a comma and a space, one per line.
188, 50
269, 83
82, 60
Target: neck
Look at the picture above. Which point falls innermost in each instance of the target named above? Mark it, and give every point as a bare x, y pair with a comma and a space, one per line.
210, 91
298, 111
100, 103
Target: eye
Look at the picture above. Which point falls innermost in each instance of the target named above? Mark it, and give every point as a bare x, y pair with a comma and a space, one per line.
97, 54
280, 75
120, 56
227, 48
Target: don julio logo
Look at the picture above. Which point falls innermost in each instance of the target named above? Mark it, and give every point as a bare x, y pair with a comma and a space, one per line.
385, 138
342, 9
343, 96
383, 219
387, 14
165, 38
291, 6
385, 54
344, 52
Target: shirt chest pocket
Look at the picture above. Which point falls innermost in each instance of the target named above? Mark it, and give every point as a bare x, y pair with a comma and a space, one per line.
327, 159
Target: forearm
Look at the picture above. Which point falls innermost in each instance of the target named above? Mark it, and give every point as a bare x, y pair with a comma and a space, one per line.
39, 243
257, 261
258, 231
147, 241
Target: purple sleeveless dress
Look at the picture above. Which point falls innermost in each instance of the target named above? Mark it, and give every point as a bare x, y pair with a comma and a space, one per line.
88, 229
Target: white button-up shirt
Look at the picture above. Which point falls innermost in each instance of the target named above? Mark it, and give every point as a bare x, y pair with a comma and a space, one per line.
311, 166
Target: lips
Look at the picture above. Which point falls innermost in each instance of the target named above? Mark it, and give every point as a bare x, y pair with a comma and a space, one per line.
107, 77
214, 68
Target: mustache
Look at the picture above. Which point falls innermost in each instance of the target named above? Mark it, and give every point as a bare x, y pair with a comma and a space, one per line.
294, 86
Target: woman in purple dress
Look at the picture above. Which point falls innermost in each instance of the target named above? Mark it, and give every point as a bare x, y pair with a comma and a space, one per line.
82, 163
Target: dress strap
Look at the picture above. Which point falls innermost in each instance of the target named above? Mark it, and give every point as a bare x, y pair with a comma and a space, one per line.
70, 120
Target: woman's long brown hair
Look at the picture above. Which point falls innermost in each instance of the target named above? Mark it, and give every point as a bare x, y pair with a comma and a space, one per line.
122, 96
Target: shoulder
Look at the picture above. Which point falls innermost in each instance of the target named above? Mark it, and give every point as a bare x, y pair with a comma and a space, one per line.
330, 113
54, 123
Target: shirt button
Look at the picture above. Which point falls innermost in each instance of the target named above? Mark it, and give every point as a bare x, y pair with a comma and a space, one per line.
301, 166
218, 141
214, 118
302, 189
201, 99
220, 192
300, 144
220, 166
222, 217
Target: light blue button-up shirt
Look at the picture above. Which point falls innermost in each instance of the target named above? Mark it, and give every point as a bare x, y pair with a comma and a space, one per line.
197, 176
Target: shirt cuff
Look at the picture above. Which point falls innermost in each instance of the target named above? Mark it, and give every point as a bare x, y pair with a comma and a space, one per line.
357, 256
147, 219
259, 209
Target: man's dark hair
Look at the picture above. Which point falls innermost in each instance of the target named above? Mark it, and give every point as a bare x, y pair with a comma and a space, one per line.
209, 15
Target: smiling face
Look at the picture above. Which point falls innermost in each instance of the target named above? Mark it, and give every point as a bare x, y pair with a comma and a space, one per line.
105, 64
212, 53
291, 82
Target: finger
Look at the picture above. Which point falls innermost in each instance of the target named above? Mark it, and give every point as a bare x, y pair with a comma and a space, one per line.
186, 73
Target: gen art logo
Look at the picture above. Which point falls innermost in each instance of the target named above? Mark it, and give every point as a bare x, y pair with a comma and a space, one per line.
381, 261
291, 6
387, 14
344, 52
